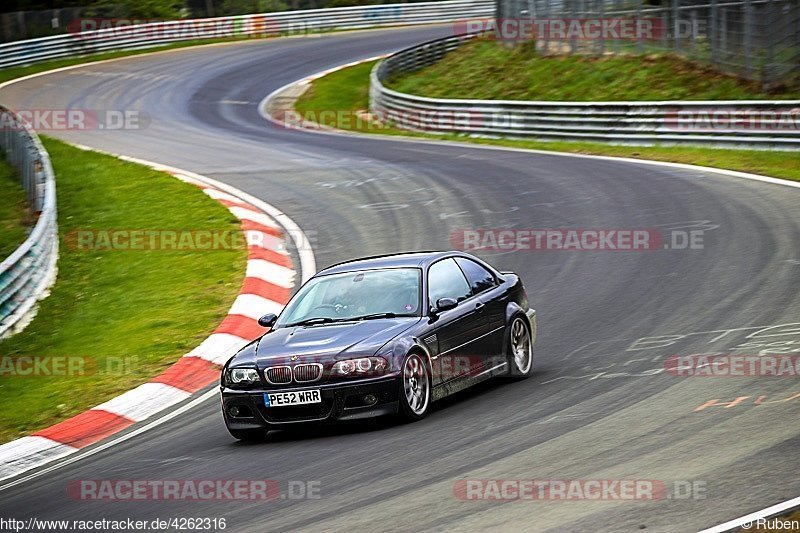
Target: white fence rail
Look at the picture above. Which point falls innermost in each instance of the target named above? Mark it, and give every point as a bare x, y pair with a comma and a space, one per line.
27, 274
759, 124
260, 25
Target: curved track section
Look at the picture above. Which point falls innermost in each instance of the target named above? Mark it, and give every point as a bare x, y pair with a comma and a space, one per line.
597, 407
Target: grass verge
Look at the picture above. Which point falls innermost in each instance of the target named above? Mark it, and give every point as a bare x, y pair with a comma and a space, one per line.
125, 314
485, 69
15, 216
347, 92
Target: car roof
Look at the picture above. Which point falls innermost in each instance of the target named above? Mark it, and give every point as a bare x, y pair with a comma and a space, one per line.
407, 260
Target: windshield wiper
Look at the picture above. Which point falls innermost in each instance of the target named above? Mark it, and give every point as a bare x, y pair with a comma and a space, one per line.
328, 320
374, 316
311, 321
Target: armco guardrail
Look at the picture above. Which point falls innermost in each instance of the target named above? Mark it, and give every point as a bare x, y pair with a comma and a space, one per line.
27, 274
758, 124
266, 24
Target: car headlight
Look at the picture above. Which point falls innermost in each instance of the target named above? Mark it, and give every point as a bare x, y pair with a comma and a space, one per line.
359, 367
243, 376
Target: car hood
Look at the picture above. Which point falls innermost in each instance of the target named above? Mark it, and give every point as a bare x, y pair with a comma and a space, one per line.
324, 342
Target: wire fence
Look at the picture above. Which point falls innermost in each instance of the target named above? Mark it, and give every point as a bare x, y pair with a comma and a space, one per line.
756, 39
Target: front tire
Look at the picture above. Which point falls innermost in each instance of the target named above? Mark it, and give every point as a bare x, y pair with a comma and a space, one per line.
415, 388
520, 349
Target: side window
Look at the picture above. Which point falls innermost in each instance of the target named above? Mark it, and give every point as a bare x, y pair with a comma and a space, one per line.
478, 277
445, 280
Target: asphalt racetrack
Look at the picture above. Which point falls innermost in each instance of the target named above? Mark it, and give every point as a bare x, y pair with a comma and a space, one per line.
599, 406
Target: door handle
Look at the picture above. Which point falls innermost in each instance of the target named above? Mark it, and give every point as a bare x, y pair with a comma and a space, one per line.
480, 305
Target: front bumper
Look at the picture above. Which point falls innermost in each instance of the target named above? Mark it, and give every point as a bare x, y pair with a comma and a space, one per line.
340, 402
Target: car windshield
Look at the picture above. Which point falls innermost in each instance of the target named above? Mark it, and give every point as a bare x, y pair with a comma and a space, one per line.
357, 295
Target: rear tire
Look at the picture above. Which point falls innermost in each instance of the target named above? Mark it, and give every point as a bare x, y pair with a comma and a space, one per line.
415, 388
248, 435
520, 349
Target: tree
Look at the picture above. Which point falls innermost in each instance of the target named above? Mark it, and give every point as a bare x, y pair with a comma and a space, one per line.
166, 9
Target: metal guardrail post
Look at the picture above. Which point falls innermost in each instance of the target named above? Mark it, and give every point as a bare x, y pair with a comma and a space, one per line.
27, 274
40, 179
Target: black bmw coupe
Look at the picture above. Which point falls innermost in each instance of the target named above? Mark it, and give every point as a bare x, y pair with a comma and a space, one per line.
377, 336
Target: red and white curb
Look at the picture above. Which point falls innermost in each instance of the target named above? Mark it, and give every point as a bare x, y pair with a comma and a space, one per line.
269, 279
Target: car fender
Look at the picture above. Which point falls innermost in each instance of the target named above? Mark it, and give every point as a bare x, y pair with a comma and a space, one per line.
405, 345
514, 310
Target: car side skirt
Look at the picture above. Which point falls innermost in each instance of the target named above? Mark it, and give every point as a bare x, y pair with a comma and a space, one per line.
456, 385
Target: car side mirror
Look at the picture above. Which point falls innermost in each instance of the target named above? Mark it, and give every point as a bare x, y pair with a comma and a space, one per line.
268, 320
443, 304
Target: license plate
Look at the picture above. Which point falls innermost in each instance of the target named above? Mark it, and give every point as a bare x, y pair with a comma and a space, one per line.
282, 399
